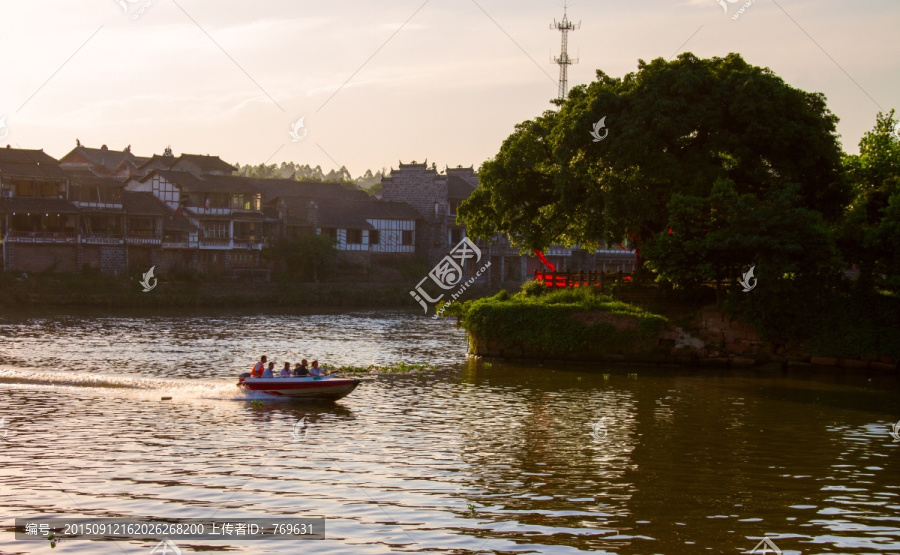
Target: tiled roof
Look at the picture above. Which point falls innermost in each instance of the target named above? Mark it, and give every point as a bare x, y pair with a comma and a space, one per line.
26, 155
207, 163
17, 162
271, 188
35, 204
104, 157
140, 203
164, 161
331, 213
182, 179
384, 210
87, 177
144, 204
458, 188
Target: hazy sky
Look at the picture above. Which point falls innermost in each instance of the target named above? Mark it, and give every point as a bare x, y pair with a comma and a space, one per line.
230, 77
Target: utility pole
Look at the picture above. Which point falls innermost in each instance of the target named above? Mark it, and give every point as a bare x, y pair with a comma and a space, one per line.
563, 60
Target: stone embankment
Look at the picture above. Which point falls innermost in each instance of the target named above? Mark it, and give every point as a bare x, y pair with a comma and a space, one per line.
710, 339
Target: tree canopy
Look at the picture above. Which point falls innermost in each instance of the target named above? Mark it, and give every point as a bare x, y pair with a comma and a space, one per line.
304, 172
871, 232
674, 127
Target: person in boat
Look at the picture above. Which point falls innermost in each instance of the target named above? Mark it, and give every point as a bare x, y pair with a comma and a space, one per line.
270, 371
259, 367
301, 369
286, 371
314, 369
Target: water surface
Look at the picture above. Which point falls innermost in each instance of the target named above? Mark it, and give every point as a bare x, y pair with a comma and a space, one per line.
466, 458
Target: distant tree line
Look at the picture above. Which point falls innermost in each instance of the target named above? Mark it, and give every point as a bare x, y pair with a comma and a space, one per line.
370, 182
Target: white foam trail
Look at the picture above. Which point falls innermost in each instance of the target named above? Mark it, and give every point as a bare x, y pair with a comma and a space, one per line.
215, 389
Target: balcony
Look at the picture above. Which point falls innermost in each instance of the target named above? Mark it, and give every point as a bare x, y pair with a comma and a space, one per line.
41, 237
177, 245
203, 211
143, 238
215, 243
102, 238
248, 243
98, 205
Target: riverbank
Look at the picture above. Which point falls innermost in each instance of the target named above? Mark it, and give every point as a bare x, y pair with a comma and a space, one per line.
587, 326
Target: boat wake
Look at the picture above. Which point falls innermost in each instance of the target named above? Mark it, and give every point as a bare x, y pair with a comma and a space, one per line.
213, 389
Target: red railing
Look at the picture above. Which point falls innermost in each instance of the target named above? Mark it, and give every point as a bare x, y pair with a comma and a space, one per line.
569, 279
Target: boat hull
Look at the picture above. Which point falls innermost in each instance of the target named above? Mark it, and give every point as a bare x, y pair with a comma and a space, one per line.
327, 388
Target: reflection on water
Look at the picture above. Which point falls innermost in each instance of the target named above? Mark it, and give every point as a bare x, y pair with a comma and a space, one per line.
468, 458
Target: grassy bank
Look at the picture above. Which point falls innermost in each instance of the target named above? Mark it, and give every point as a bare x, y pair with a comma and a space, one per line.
569, 323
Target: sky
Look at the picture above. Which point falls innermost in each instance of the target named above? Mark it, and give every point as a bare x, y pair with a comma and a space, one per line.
380, 82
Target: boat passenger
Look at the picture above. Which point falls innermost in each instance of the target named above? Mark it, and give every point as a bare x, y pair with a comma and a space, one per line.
286, 371
314, 369
258, 368
301, 369
270, 371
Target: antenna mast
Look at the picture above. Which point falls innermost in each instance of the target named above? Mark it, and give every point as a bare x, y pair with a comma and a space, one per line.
564, 60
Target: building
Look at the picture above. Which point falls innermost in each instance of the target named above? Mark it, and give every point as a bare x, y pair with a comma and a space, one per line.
436, 197
115, 212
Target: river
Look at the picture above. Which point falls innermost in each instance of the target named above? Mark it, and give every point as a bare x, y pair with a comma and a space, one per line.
468, 457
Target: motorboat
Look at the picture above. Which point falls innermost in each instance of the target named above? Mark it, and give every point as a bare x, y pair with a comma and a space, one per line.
308, 387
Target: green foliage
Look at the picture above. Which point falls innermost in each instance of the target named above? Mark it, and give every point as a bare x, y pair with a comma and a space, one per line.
411, 269
870, 234
304, 257
719, 237
862, 325
304, 172
533, 288
544, 325
674, 128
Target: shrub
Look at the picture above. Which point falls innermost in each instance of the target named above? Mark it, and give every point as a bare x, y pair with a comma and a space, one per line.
544, 325
533, 288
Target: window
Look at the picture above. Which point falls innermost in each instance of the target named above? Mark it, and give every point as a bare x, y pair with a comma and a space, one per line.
374, 237
331, 232
354, 236
456, 235
407, 238
215, 230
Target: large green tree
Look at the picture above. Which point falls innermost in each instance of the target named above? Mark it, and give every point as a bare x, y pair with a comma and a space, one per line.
797, 266
674, 127
870, 235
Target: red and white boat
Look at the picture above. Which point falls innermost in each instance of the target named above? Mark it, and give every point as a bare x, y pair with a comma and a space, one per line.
329, 388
